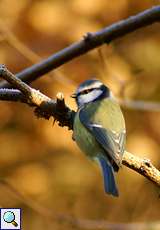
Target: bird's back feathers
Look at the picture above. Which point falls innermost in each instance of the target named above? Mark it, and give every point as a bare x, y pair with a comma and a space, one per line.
108, 129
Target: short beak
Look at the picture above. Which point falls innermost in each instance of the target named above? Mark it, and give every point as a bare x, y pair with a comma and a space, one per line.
74, 95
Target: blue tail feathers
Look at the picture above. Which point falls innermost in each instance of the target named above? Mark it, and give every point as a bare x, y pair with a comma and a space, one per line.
109, 179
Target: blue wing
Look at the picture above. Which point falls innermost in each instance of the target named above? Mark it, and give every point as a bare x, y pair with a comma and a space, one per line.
110, 141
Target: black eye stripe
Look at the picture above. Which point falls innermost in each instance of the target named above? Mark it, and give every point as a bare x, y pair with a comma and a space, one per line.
87, 91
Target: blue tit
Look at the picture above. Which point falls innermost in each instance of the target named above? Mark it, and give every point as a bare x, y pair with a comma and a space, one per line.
99, 129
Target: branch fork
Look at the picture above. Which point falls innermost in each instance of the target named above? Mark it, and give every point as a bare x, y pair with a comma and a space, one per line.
46, 107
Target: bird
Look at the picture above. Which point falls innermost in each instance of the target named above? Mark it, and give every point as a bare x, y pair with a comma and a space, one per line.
99, 129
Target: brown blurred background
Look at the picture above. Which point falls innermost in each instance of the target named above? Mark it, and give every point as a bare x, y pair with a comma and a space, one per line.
44, 171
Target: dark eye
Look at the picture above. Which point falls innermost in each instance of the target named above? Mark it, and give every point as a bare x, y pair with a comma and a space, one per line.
86, 91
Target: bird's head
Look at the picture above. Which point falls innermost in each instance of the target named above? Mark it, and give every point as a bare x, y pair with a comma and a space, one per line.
90, 91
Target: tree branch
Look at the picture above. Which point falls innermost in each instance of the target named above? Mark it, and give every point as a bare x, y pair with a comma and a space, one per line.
12, 95
45, 107
89, 42
140, 105
142, 166
16, 96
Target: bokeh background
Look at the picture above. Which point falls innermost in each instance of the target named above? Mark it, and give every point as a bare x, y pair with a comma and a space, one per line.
41, 168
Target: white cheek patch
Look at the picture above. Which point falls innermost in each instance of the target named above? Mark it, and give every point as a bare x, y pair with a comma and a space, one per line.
91, 96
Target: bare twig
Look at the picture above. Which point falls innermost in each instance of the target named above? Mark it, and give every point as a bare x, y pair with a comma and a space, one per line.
16, 96
89, 42
12, 95
46, 108
14, 81
142, 166
36, 98
140, 105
